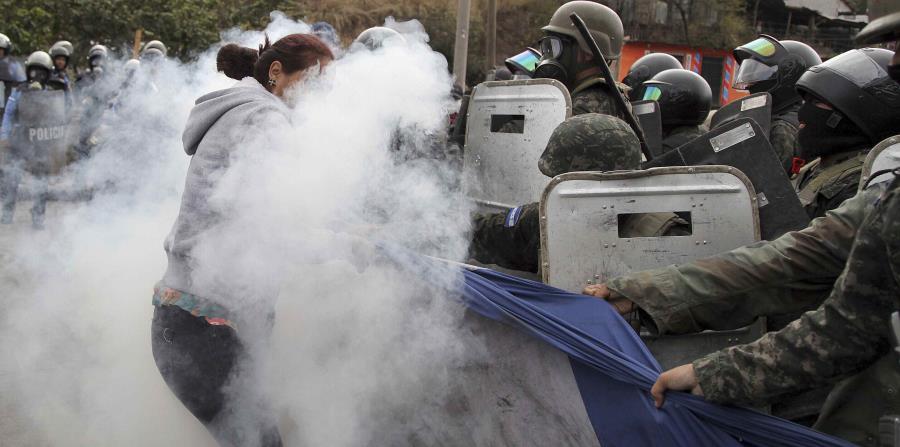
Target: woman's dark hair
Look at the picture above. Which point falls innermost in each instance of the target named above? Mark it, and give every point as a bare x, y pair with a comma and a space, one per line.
295, 52
236, 61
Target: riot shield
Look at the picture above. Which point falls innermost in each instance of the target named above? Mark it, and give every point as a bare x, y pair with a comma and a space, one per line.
11, 70
583, 240
757, 106
507, 129
742, 144
883, 157
40, 136
649, 118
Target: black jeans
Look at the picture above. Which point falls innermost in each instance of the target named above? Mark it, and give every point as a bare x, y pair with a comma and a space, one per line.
198, 360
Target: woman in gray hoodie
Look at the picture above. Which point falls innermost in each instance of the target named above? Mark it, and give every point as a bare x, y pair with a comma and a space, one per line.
195, 338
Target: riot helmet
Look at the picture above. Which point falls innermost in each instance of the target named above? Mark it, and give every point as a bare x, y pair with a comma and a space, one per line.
884, 22
591, 142
5, 44
770, 65
857, 85
157, 45
326, 33
152, 54
561, 42
61, 50
375, 37
97, 56
524, 62
38, 66
645, 68
684, 97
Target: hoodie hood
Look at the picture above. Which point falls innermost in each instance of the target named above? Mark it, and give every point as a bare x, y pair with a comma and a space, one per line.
247, 95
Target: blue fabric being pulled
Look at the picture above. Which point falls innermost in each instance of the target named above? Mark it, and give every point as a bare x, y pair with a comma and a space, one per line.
614, 371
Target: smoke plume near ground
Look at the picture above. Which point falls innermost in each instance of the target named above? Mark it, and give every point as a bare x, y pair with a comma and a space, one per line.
363, 349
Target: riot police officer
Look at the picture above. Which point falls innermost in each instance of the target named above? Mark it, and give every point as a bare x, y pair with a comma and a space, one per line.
645, 68
588, 142
33, 130
850, 104
566, 57
97, 57
61, 52
11, 71
684, 99
153, 50
770, 65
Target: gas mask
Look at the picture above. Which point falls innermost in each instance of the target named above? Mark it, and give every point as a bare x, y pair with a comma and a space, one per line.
37, 75
557, 59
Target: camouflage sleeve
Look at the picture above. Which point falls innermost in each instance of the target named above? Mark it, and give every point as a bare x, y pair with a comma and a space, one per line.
790, 274
783, 137
846, 334
510, 239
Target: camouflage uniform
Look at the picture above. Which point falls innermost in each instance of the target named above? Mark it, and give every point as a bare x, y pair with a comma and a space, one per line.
824, 185
680, 135
593, 96
783, 136
590, 142
792, 273
844, 336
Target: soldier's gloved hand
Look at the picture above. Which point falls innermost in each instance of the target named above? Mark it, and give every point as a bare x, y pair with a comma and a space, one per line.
681, 378
623, 305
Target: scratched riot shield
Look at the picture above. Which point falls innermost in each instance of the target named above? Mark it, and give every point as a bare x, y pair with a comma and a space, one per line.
648, 116
757, 107
742, 144
508, 126
588, 234
40, 138
882, 159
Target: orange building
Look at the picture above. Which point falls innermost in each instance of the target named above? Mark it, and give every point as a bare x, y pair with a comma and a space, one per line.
716, 66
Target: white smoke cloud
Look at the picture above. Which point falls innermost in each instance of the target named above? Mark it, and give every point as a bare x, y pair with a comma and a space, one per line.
363, 349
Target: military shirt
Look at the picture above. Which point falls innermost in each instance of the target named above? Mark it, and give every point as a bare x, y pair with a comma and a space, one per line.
792, 273
823, 188
783, 136
594, 96
846, 334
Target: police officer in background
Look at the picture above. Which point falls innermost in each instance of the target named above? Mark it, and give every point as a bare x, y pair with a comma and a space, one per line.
684, 99
643, 69
61, 52
770, 65
11, 71
566, 57
850, 105
97, 58
33, 132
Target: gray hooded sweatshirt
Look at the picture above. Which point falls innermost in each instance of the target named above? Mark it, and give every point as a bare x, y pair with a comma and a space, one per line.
220, 124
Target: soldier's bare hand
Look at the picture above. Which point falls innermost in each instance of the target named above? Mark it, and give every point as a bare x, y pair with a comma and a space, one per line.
681, 378
623, 305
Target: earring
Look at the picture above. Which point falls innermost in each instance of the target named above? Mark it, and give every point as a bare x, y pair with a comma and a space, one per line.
271, 82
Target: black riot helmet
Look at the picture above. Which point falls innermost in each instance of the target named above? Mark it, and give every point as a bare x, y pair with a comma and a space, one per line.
645, 68
770, 65
856, 83
684, 97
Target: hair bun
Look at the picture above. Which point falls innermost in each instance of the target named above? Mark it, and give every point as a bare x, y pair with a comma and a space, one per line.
235, 61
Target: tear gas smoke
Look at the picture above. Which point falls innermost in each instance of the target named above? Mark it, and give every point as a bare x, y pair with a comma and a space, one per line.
363, 349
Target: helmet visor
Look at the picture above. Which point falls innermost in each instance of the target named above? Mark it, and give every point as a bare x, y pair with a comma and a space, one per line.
525, 61
762, 47
752, 71
652, 93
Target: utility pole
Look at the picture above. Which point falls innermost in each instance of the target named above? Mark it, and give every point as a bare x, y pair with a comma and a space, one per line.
491, 36
461, 47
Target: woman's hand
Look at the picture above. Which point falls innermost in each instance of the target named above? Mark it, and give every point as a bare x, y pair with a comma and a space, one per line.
623, 305
681, 378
